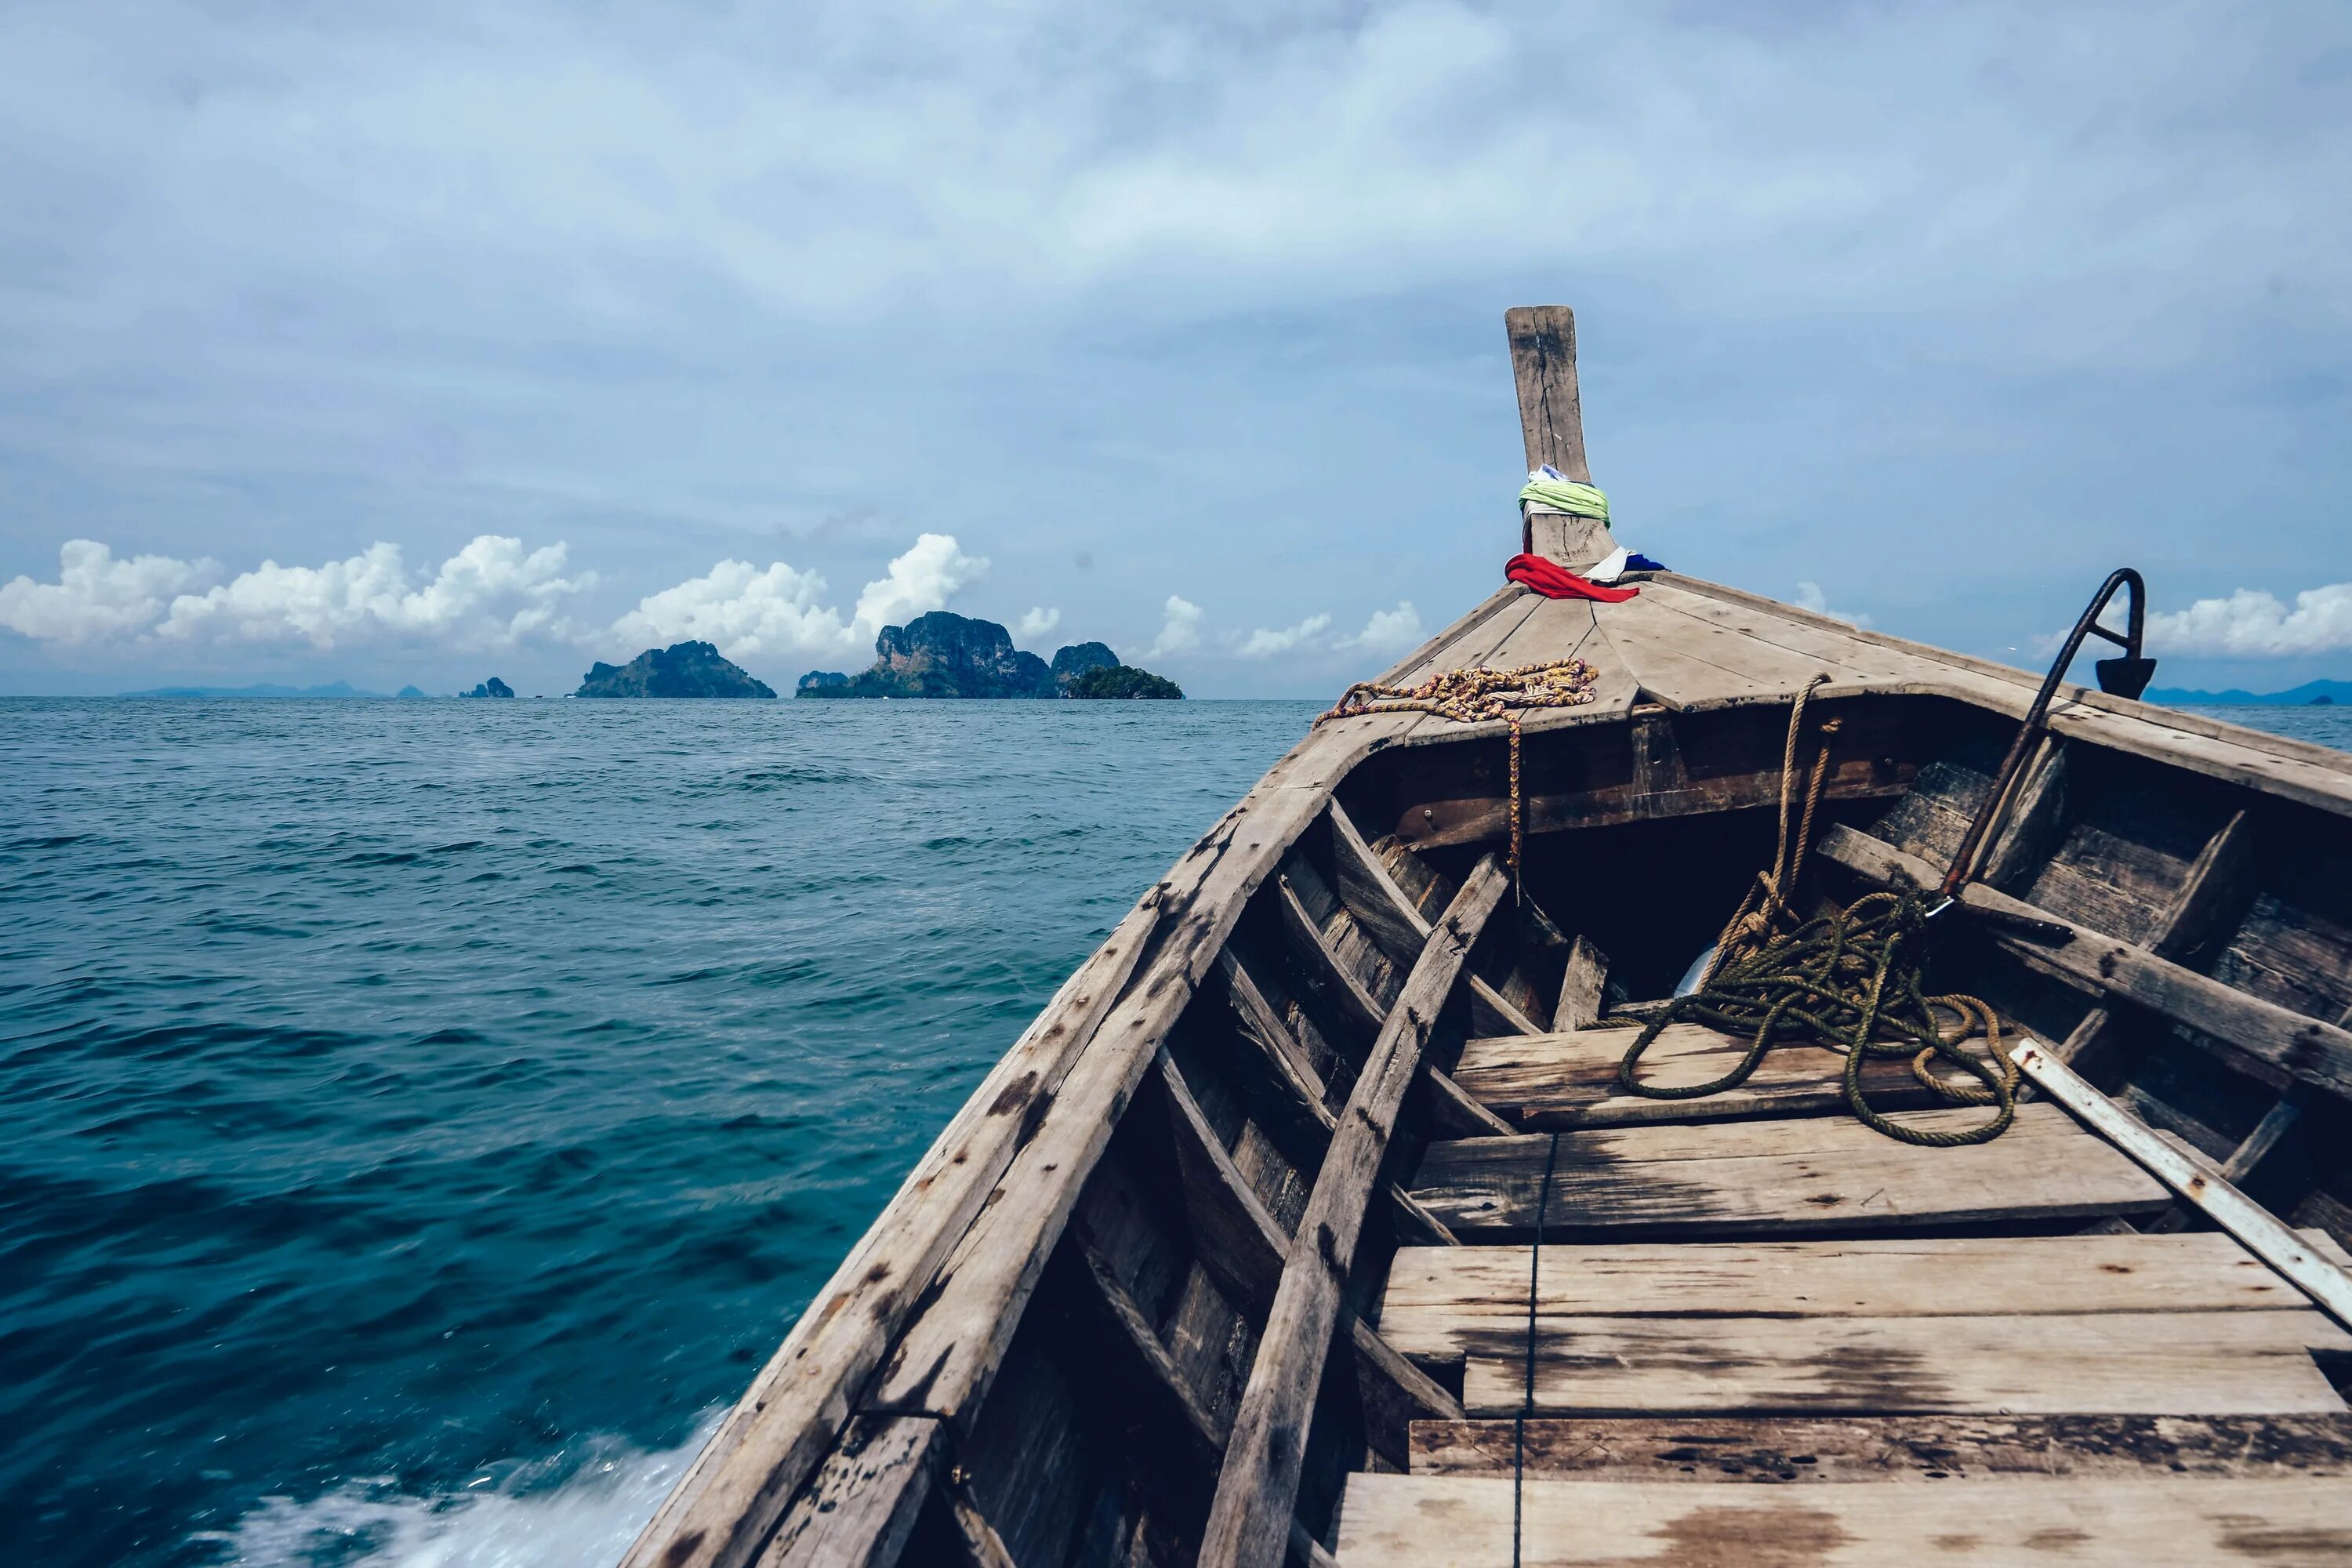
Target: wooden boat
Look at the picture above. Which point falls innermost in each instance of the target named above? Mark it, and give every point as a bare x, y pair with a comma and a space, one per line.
1308, 1222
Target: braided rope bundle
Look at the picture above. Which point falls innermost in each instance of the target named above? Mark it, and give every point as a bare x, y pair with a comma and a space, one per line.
1838, 981
1480, 697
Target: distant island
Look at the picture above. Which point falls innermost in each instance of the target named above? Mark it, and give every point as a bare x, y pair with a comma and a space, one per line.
338, 690
2319, 693
681, 670
947, 655
493, 687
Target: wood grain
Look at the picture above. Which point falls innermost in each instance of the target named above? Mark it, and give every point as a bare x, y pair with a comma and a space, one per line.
2154, 1363
1914, 1449
1249, 1520
1466, 1522
1764, 1177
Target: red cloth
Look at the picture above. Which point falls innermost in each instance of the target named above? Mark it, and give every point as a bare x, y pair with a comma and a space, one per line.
1554, 581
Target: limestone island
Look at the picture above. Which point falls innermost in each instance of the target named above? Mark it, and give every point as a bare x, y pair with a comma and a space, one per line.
947, 655
681, 670
493, 687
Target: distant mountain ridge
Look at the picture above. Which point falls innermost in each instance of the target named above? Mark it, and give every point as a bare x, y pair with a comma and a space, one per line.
945, 655
2324, 692
339, 690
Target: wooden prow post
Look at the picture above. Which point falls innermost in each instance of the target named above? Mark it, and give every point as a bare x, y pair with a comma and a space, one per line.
1551, 421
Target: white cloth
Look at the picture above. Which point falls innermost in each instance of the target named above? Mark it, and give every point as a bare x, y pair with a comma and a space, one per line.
1609, 568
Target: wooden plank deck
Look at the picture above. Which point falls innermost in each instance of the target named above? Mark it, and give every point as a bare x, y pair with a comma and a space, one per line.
1466, 1522
1814, 1174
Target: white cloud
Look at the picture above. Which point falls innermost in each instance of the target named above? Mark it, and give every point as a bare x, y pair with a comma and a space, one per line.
96, 597
1179, 632
491, 593
2250, 623
1264, 644
748, 613
744, 611
1038, 622
1810, 597
1400, 628
923, 579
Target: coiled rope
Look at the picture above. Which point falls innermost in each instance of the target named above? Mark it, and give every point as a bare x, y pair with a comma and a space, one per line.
1480, 697
1840, 981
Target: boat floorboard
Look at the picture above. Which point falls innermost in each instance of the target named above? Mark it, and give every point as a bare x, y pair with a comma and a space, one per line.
1468, 1521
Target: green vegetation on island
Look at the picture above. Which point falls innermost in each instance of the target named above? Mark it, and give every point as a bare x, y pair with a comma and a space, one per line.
682, 669
947, 655
1124, 680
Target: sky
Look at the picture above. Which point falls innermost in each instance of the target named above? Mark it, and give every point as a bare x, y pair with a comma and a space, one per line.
415, 343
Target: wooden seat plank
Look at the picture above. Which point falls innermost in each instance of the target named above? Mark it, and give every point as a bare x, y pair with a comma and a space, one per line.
1443, 1301
1466, 1522
1568, 1078
1797, 1174
1920, 1449
2155, 1363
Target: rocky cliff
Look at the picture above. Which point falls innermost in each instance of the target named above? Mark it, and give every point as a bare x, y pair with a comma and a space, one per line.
493, 687
682, 669
944, 655
940, 655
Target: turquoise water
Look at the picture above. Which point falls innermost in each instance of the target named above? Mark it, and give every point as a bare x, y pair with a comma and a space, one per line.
2328, 724
419, 1118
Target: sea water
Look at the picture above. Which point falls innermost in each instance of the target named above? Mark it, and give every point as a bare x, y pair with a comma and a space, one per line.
418, 1120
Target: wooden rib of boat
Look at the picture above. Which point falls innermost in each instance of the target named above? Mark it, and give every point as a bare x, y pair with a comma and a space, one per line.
1234, 1259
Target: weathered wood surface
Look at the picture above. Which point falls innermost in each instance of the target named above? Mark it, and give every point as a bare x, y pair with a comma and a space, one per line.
1804, 1173
2154, 1363
1581, 987
1917, 1449
2314, 775
944, 1362
738, 1486
1466, 1522
1443, 1302
2213, 886
1393, 916
1249, 1520
1551, 423
858, 1508
2197, 1178
2305, 1047
1569, 1080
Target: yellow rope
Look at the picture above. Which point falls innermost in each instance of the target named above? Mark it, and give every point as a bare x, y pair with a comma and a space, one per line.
1480, 697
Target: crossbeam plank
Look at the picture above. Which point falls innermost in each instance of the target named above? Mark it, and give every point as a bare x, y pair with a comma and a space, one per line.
1249, 1521
1410, 1521
2154, 1363
1570, 1078
2307, 1048
1918, 1449
1811, 1173
1444, 1303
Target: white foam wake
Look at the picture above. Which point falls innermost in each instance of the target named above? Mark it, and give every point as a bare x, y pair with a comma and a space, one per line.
577, 1508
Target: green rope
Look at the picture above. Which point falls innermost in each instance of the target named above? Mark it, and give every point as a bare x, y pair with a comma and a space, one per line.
1565, 495
1840, 982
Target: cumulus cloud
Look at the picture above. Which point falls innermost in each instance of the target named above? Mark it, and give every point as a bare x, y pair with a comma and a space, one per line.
925, 578
1179, 631
2250, 623
1038, 622
491, 593
743, 610
96, 597
1810, 597
1400, 628
748, 613
1264, 644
